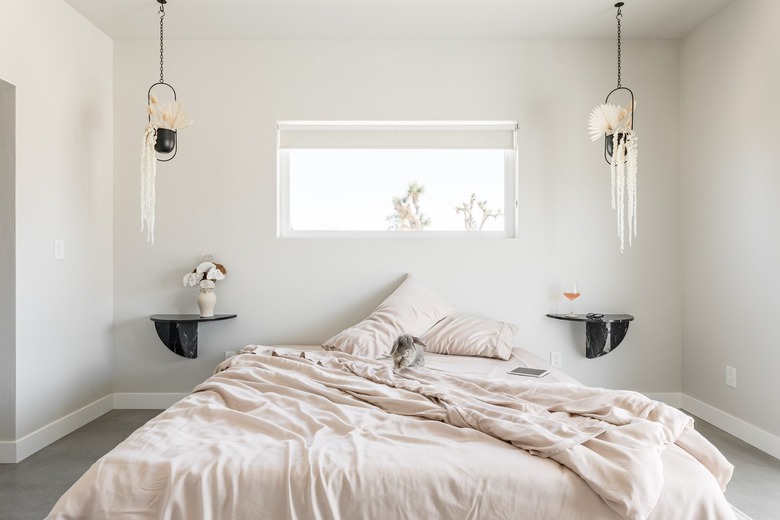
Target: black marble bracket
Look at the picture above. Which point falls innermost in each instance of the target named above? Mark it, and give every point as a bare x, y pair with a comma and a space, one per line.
602, 335
179, 332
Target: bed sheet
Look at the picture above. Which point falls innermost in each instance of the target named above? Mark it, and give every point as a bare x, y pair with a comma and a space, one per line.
256, 457
479, 366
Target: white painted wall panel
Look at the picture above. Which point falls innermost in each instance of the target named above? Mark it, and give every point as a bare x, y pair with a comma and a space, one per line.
219, 196
730, 185
61, 66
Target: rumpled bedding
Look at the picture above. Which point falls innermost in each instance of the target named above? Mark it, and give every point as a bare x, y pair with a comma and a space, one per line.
330, 435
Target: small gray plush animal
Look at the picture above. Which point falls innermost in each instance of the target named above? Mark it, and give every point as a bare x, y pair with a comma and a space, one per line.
408, 352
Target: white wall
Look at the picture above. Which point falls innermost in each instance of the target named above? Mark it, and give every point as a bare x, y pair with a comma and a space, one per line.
730, 209
219, 196
61, 66
8, 261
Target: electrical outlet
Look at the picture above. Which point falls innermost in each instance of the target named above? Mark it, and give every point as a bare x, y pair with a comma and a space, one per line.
230, 353
555, 359
731, 376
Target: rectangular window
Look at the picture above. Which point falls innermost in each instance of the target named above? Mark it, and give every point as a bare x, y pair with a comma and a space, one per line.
391, 179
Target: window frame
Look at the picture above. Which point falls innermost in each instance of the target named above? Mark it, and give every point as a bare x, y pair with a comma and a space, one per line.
510, 189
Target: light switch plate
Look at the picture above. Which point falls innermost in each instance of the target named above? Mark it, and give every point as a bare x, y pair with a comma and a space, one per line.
59, 249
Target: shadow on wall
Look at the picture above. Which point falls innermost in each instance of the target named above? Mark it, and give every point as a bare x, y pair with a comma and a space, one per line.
8, 261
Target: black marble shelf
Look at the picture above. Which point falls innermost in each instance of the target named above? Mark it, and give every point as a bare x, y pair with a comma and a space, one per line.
179, 332
602, 335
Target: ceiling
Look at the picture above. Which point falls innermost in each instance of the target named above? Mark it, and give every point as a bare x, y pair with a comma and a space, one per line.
396, 19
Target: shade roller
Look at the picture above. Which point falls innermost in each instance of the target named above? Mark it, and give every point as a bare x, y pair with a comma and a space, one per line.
400, 135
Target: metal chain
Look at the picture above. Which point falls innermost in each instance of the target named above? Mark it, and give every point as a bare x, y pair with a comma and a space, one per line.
161, 12
619, 18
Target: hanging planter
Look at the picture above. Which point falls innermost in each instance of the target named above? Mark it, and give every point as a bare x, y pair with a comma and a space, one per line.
623, 129
167, 121
615, 123
160, 137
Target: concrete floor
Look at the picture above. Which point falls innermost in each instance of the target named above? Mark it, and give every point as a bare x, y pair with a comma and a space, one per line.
28, 490
755, 487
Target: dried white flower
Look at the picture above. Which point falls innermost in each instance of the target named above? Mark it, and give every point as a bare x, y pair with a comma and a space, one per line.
153, 99
215, 274
616, 123
206, 274
174, 116
195, 278
205, 267
608, 119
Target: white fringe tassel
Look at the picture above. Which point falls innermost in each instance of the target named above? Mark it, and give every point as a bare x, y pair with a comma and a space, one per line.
148, 174
623, 169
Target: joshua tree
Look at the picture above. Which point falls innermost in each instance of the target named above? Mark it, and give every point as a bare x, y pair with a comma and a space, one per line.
407, 214
468, 216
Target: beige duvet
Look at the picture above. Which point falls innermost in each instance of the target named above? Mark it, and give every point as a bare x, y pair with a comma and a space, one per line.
336, 436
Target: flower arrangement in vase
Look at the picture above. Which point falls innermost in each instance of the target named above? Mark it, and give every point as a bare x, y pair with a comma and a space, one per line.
206, 275
615, 124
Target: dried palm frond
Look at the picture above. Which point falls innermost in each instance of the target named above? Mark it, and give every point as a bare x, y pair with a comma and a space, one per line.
607, 119
174, 116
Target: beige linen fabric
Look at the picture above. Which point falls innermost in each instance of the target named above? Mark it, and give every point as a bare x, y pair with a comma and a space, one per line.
463, 335
341, 437
411, 309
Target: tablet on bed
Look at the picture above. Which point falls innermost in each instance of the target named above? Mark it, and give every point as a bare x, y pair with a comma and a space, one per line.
529, 372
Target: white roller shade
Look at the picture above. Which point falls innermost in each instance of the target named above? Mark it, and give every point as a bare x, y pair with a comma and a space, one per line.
401, 135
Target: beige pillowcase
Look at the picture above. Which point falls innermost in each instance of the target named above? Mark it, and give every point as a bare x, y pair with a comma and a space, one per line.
411, 309
469, 336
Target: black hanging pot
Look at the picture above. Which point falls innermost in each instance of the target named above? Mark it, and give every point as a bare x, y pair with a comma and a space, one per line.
166, 140
609, 144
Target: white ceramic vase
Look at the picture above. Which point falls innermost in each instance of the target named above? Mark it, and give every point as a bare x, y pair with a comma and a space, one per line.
207, 299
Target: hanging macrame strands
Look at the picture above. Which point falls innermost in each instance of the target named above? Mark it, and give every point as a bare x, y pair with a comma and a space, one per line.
624, 168
148, 174
632, 151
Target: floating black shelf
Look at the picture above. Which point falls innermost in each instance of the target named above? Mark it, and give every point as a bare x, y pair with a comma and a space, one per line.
179, 332
602, 335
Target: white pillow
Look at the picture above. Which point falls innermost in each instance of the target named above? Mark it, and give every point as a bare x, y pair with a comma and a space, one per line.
411, 309
469, 336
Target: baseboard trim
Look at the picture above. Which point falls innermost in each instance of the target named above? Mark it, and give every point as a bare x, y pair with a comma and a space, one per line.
17, 451
752, 435
145, 401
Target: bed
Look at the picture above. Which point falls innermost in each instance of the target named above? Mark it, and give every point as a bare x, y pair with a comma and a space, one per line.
306, 433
